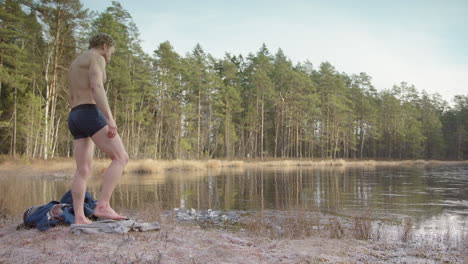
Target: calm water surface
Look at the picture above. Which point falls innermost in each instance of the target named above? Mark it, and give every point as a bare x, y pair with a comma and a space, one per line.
432, 196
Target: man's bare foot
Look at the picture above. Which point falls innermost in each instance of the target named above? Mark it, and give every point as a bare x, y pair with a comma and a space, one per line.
108, 212
82, 221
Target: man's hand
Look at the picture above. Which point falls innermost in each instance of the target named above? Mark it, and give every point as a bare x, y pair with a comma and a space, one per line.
112, 128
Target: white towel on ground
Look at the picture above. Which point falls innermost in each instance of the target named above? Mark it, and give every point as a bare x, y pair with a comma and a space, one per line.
114, 226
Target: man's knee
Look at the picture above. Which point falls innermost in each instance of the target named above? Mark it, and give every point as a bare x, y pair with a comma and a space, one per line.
121, 157
84, 171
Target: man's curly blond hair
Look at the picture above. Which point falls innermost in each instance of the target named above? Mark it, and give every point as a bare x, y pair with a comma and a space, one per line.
100, 39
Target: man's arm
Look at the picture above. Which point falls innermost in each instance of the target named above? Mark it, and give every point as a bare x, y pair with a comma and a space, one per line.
96, 73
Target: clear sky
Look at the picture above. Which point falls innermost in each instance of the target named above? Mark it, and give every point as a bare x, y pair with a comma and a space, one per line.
424, 43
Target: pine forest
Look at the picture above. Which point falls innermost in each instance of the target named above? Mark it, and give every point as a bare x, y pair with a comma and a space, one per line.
195, 106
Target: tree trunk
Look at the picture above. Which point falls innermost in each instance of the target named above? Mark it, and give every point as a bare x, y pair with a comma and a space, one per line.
226, 131
160, 130
177, 148
132, 134
1, 66
261, 135
34, 153
336, 142
127, 125
282, 130
45, 141
297, 141
277, 126
198, 122
288, 143
15, 109
116, 91
53, 86
208, 132
156, 134
30, 135
139, 129
55, 141
362, 141
255, 127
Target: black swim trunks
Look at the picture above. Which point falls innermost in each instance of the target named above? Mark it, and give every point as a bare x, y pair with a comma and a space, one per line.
85, 120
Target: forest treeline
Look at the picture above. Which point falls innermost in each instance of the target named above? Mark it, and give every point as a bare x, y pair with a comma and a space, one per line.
173, 106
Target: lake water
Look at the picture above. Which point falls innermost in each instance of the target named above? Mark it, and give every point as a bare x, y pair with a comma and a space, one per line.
436, 198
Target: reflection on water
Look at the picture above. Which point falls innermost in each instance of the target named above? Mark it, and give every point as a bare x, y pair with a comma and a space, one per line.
431, 196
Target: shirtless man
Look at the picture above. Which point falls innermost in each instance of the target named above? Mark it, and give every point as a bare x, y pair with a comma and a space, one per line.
91, 120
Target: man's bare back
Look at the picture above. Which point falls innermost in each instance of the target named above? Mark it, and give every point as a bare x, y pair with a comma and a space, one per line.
80, 89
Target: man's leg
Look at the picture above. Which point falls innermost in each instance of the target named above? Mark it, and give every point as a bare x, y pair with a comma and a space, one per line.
114, 148
83, 151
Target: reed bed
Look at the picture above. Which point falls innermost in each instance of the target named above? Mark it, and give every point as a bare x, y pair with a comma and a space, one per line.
159, 166
13, 200
362, 228
66, 166
300, 225
407, 230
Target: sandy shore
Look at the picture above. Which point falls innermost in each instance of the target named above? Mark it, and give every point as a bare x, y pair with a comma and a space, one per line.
189, 243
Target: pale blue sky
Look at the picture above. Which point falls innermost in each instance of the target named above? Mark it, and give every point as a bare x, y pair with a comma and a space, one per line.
424, 43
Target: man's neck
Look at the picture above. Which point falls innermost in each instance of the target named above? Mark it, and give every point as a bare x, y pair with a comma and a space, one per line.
97, 51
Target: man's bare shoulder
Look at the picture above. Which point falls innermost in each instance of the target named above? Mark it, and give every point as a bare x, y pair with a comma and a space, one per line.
96, 58
87, 58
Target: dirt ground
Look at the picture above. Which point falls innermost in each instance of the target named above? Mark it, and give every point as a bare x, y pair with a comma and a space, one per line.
189, 243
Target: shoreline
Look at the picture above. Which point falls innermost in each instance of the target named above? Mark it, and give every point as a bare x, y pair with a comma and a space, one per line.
63, 167
192, 243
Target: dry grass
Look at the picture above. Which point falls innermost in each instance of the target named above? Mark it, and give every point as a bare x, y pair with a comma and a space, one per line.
257, 224
295, 163
298, 225
3, 208
407, 229
362, 228
150, 166
13, 200
4, 158
336, 229
159, 166
464, 240
146, 166
150, 213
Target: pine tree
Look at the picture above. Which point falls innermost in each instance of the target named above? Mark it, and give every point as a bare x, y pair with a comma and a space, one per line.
455, 129
227, 104
20, 38
62, 18
363, 95
167, 70
431, 109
